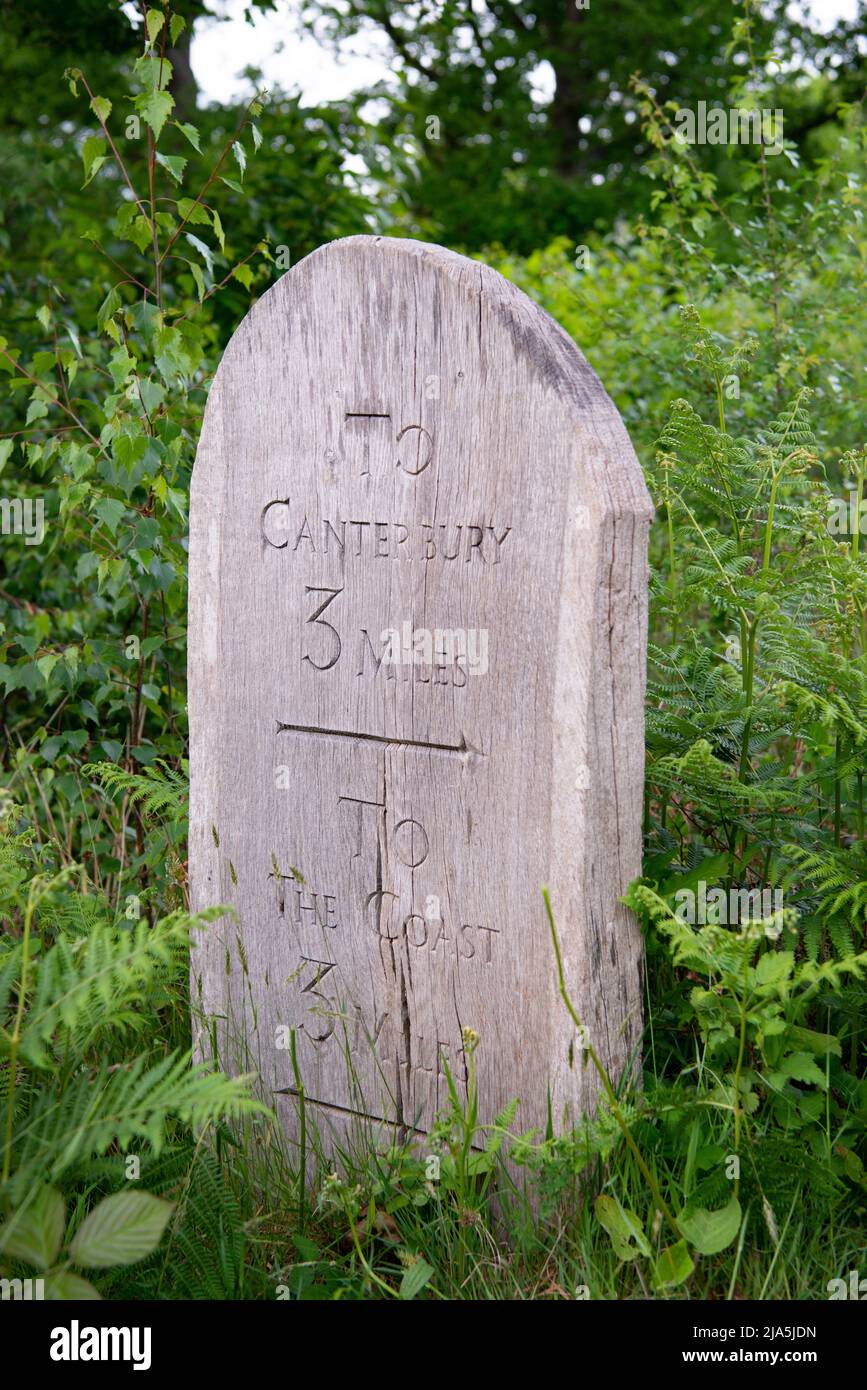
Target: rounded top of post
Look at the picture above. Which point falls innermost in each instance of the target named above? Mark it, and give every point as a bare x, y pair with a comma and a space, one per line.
507, 326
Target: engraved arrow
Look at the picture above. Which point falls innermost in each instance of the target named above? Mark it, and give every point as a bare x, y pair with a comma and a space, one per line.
463, 747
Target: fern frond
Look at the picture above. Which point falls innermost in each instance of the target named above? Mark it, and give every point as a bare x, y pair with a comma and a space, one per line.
124, 1106
158, 789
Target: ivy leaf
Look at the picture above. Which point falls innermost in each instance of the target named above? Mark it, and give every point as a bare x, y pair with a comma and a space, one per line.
124, 1228
155, 107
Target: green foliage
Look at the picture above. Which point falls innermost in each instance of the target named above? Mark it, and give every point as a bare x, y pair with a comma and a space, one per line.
468, 151
123, 1228
726, 323
158, 790
71, 1003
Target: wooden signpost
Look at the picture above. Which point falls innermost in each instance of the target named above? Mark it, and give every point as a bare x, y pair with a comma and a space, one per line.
417, 644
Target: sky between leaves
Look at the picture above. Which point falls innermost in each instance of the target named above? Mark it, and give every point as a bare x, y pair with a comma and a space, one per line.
223, 47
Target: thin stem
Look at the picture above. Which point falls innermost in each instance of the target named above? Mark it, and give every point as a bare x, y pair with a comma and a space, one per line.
604, 1078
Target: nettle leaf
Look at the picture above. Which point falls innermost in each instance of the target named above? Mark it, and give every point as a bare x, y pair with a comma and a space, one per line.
6, 447
174, 163
191, 134
155, 108
232, 183
154, 21
240, 156
801, 1067
34, 1234
243, 274
818, 1043
204, 251
775, 968
712, 1231
256, 134
124, 1228
177, 25
101, 108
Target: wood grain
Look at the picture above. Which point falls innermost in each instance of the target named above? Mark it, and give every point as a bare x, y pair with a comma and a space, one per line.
398, 440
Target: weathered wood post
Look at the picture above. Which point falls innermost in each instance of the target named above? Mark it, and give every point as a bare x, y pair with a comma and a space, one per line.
416, 677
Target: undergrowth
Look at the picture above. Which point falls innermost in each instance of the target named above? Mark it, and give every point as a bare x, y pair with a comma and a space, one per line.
130, 1170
